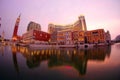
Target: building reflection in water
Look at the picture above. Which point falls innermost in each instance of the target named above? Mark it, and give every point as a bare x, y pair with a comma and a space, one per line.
2, 50
14, 55
76, 58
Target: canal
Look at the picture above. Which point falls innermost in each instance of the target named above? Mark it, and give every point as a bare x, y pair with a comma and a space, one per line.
22, 63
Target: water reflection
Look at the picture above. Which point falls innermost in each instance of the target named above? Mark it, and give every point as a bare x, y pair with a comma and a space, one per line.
76, 58
2, 50
118, 45
14, 55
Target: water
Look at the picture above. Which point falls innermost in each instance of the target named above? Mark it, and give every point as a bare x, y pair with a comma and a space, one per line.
22, 63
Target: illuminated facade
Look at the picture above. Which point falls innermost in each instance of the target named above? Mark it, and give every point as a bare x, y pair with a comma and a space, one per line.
34, 35
79, 25
52, 27
79, 33
61, 37
95, 36
15, 36
53, 30
81, 37
70, 37
78, 36
64, 37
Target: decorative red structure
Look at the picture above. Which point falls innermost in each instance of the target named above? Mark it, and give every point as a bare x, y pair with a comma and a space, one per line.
41, 36
15, 36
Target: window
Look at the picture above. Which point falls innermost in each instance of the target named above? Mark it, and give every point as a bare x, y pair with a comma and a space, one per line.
46, 36
34, 33
40, 34
94, 32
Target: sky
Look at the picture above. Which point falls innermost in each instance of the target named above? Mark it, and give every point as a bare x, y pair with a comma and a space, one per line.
98, 14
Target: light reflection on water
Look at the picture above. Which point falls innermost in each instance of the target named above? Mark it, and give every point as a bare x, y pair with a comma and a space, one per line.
63, 63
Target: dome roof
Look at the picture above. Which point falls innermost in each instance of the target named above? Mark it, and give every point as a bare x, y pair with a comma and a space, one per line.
32, 25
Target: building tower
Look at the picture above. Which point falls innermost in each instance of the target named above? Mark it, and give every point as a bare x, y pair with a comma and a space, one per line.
15, 36
33, 26
83, 22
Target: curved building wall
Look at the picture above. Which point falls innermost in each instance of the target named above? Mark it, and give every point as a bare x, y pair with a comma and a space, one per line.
33, 26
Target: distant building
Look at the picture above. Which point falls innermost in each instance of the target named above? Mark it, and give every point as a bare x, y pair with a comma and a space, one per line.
117, 39
108, 37
33, 26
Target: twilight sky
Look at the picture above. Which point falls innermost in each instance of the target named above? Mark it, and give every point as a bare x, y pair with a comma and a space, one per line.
98, 14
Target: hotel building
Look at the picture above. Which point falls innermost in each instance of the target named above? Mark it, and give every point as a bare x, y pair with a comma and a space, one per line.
53, 30
97, 36
79, 25
64, 37
77, 33
70, 37
78, 37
